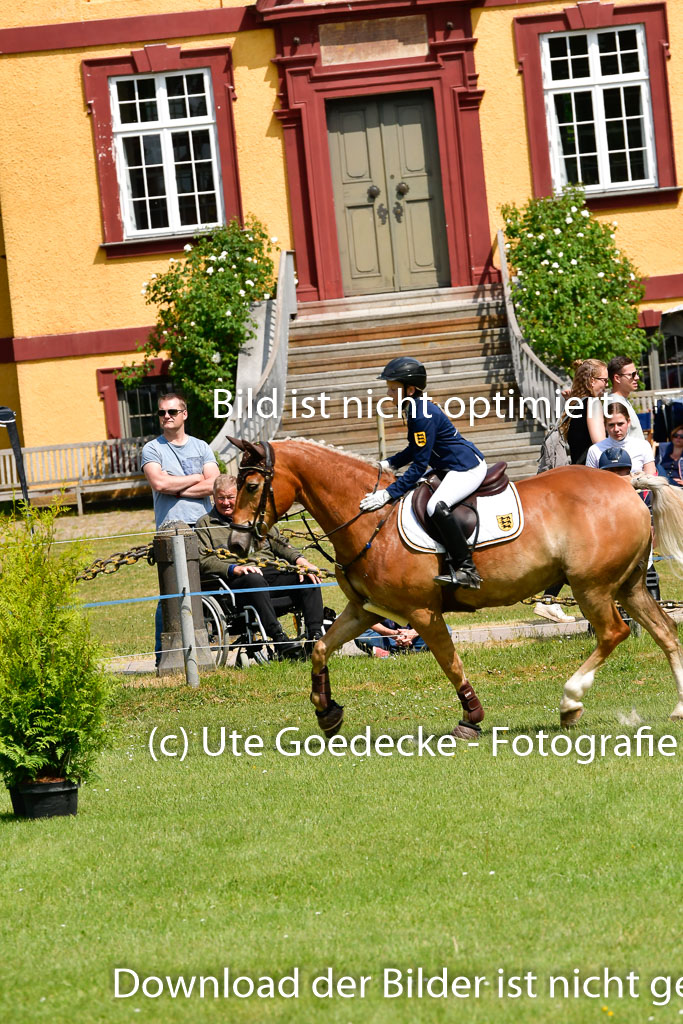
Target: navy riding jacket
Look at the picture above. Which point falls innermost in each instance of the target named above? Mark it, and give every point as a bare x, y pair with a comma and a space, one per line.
432, 441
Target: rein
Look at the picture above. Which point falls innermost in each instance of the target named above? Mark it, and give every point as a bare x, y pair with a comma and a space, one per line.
266, 467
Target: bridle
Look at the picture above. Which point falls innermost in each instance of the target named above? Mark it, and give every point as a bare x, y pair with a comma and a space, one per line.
265, 465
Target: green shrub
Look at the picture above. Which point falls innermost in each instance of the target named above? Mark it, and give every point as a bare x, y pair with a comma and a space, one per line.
204, 317
53, 690
576, 294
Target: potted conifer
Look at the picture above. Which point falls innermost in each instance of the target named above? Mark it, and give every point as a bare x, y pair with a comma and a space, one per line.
53, 690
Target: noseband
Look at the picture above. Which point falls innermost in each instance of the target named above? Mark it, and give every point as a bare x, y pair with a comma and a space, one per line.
265, 465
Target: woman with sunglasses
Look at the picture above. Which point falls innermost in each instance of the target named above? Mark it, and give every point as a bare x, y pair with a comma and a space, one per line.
585, 426
670, 455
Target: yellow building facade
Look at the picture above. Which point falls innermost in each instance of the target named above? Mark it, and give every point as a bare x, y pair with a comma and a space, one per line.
284, 109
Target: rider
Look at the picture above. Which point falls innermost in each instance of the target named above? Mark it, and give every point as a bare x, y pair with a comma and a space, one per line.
432, 441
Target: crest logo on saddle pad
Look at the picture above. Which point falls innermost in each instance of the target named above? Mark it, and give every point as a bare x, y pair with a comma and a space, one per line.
505, 521
420, 438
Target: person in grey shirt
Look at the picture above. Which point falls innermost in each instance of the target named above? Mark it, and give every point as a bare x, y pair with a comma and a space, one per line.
624, 379
179, 468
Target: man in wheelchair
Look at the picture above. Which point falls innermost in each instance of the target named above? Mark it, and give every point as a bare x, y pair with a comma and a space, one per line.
213, 531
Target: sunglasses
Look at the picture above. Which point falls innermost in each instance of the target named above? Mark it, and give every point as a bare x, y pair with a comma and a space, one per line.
631, 376
169, 412
676, 437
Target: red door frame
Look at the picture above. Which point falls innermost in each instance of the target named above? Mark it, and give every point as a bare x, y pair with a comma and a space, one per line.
447, 71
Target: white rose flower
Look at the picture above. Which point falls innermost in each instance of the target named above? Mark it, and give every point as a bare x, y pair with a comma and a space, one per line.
541, 237
545, 263
266, 296
569, 220
555, 266
580, 234
221, 270
573, 209
187, 248
585, 213
192, 323
228, 312
604, 301
209, 270
574, 263
529, 235
216, 357
242, 292
557, 231
249, 282
273, 240
601, 273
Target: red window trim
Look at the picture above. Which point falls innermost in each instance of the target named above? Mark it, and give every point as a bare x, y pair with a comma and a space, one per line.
106, 385
587, 16
153, 59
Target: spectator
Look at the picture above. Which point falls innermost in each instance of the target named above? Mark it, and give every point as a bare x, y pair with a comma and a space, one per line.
387, 637
670, 455
618, 460
580, 429
214, 530
624, 379
618, 436
180, 469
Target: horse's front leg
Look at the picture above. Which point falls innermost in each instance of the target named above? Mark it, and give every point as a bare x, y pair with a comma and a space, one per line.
352, 621
433, 630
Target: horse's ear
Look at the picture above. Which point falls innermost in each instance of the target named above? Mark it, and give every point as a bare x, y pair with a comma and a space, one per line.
237, 443
257, 451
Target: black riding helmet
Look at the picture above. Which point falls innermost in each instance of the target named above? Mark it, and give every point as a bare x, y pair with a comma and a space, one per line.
405, 370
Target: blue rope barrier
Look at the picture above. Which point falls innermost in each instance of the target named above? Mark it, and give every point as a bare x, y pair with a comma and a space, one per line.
198, 593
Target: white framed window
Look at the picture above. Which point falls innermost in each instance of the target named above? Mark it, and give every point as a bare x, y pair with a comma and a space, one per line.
598, 109
164, 130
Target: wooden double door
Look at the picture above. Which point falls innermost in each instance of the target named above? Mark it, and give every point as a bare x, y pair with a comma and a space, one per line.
387, 193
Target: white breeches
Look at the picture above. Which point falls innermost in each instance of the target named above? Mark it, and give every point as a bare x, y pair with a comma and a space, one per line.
457, 485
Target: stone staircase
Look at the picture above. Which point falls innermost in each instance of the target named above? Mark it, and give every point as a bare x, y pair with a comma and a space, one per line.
338, 348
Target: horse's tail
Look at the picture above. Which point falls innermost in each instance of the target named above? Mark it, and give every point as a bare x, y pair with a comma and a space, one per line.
667, 506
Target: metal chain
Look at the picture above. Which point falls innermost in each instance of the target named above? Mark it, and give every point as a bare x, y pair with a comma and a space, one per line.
114, 562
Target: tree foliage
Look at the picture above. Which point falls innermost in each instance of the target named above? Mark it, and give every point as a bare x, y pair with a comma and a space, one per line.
576, 294
203, 304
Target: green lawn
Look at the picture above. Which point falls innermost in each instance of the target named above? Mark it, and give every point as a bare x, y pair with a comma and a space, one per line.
473, 863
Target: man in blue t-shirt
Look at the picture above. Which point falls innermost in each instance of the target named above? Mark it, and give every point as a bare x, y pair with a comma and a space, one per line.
180, 470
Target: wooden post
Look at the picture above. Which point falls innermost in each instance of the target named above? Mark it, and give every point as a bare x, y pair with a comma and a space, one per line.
176, 648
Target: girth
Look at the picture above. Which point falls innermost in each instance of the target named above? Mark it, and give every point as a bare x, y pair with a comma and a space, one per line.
495, 482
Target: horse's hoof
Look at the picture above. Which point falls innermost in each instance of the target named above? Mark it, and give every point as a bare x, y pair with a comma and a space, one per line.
466, 731
330, 720
568, 719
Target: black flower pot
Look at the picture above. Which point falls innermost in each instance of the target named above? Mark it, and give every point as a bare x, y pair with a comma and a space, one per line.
44, 799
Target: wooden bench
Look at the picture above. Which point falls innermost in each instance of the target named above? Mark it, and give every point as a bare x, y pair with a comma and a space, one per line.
90, 467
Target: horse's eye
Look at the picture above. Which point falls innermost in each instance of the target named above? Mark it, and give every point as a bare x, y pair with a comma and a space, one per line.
252, 487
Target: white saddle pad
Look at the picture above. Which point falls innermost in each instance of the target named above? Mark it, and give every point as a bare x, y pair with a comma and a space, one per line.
501, 518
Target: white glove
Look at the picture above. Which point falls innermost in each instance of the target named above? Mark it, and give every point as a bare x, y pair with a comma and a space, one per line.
384, 464
371, 502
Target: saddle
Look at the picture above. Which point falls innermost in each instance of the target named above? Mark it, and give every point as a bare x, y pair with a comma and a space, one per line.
465, 511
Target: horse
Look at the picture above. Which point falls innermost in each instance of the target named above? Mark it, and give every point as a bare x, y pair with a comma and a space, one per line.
585, 527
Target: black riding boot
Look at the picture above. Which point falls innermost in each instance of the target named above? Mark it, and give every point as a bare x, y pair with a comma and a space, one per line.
652, 582
459, 569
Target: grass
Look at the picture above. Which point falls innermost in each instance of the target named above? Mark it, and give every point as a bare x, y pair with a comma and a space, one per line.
266, 863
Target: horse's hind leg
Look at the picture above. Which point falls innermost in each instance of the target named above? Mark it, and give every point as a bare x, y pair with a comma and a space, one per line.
610, 629
641, 606
352, 621
434, 632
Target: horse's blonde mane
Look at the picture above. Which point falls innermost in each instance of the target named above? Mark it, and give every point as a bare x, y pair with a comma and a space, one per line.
332, 448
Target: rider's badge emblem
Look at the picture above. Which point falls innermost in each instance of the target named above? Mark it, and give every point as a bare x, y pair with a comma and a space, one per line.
420, 438
505, 522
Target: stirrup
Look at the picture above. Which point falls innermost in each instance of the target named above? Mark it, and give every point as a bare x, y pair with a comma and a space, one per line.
464, 576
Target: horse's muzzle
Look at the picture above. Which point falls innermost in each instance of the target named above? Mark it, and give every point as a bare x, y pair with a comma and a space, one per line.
241, 540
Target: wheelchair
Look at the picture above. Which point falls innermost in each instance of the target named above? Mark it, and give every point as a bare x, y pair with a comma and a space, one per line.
240, 632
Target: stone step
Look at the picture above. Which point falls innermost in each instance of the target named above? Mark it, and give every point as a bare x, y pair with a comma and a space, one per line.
389, 325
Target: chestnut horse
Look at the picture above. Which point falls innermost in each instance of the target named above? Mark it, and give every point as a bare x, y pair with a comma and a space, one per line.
584, 527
